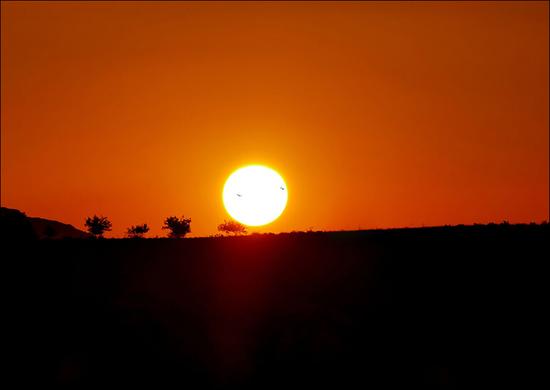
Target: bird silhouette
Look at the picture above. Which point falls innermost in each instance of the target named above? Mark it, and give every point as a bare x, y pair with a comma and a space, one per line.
239, 195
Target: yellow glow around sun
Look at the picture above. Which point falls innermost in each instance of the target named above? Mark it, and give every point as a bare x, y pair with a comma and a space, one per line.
255, 195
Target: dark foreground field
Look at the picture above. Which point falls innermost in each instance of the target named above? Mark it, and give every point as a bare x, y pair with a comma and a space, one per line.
442, 307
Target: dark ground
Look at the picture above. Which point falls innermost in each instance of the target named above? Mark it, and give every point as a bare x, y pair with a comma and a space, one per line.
453, 307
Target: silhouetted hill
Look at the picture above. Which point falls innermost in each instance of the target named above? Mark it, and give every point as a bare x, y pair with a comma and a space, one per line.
47, 228
411, 308
15, 224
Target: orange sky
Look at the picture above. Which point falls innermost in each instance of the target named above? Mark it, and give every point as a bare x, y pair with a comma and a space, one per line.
376, 114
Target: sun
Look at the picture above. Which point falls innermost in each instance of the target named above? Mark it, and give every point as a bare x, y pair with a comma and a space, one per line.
255, 195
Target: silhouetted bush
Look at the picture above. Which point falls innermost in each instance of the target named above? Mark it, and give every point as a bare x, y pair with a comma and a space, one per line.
137, 231
232, 227
97, 225
178, 227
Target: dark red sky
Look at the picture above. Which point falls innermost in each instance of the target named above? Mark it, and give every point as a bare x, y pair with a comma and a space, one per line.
376, 114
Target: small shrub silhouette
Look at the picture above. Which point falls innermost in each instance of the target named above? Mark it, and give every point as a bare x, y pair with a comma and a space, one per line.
137, 231
232, 227
98, 225
178, 227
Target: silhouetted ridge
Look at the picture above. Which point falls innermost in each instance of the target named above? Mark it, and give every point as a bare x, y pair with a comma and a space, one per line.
14, 224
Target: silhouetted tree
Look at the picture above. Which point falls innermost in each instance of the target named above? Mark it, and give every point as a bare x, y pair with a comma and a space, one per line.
178, 227
98, 225
137, 231
232, 227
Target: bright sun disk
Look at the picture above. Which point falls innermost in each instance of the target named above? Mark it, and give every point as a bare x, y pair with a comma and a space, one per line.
255, 195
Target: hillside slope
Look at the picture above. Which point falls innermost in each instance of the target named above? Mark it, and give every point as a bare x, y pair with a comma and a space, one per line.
48, 228
15, 224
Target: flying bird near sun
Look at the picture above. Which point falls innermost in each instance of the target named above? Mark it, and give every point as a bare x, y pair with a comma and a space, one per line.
255, 195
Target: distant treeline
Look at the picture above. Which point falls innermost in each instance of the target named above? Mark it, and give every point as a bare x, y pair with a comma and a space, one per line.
15, 224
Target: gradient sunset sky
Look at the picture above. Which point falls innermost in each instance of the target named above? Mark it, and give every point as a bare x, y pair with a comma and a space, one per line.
377, 115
